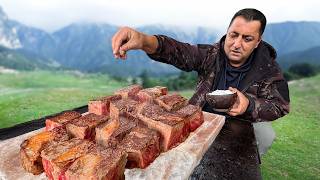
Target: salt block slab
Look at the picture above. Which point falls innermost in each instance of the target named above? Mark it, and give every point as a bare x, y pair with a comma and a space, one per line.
10, 166
177, 163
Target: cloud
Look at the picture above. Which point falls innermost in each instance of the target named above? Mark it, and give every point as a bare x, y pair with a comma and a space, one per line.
53, 14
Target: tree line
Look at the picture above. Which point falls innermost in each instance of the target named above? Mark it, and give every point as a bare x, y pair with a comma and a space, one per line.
188, 80
301, 70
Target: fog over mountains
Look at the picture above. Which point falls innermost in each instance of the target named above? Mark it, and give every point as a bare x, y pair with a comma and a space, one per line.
87, 46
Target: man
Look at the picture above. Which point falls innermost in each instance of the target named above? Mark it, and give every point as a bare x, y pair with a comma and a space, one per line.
241, 62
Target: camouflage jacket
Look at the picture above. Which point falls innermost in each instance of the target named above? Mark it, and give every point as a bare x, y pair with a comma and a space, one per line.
264, 84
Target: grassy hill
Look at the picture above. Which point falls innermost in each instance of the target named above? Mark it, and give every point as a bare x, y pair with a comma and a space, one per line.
294, 154
30, 95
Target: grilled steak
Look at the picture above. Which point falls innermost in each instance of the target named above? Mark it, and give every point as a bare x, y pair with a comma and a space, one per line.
130, 91
57, 158
101, 106
142, 145
84, 127
193, 115
149, 94
107, 164
128, 129
123, 107
172, 127
105, 130
171, 102
61, 119
31, 148
127, 123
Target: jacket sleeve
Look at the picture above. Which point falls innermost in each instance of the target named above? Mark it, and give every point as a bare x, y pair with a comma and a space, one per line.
181, 55
270, 103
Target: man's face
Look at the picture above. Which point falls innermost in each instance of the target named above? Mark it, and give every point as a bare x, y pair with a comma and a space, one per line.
242, 38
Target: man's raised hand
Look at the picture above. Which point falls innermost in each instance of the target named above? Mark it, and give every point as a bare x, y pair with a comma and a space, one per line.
127, 39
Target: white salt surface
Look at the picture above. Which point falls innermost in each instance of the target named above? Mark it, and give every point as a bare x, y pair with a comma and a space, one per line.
221, 92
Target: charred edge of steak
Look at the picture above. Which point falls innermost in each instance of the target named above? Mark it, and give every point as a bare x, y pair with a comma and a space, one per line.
31, 148
99, 164
171, 102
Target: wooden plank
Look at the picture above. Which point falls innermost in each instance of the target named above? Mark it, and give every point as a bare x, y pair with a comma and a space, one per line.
177, 163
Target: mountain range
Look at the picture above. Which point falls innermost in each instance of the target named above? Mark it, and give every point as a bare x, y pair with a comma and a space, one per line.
87, 46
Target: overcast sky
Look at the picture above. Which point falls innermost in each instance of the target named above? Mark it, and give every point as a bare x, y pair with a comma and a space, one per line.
51, 15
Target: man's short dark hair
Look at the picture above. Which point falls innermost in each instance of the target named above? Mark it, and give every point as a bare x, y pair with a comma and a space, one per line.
251, 14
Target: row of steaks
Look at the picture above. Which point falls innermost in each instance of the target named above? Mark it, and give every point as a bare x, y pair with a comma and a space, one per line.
126, 130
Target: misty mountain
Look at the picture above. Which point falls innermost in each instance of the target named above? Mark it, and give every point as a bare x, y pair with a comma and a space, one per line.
34, 40
289, 37
8, 34
311, 56
87, 46
20, 46
14, 60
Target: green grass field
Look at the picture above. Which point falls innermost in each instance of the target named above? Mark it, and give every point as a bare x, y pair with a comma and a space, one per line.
294, 154
31, 95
